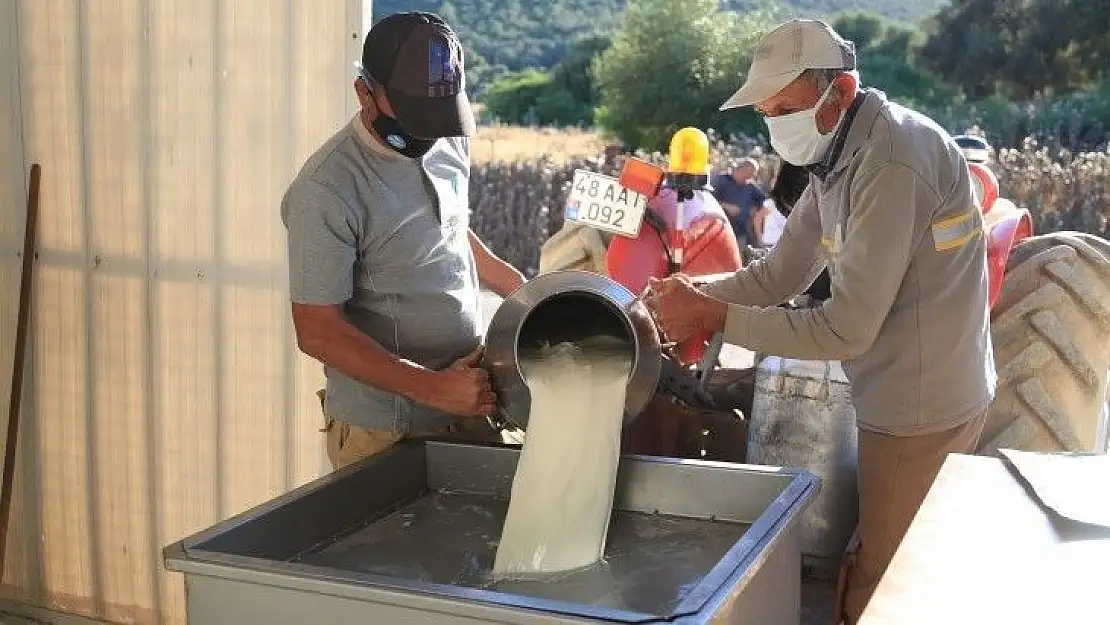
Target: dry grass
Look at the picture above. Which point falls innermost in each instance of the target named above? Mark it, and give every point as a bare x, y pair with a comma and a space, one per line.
518, 202
509, 144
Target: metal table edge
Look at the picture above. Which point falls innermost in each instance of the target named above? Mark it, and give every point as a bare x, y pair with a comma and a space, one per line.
744, 559
184, 555
346, 584
189, 542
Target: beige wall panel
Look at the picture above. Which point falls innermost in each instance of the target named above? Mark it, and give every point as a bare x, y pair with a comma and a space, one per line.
165, 392
190, 474
183, 43
51, 36
253, 404
13, 189
184, 154
64, 444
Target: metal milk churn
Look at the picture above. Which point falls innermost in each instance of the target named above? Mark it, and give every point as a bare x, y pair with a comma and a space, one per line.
568, 306
802, 416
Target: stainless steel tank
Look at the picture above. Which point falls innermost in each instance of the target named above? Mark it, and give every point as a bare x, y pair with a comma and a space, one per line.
410, 536
568, 306
802, 416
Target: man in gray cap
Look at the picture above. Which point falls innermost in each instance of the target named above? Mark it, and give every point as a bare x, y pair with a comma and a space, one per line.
384, 269
890, 210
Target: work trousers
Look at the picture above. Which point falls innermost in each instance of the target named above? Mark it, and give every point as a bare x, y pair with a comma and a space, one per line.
895, 474
347, 444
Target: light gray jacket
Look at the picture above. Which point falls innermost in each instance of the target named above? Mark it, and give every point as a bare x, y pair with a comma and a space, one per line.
892, 213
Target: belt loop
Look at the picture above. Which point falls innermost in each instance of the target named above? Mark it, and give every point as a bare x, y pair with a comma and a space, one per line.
328, 421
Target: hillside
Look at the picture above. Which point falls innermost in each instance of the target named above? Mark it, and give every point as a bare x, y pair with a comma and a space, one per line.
516, 34
902, 10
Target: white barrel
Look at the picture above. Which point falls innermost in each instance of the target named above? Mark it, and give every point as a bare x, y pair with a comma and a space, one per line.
802, 416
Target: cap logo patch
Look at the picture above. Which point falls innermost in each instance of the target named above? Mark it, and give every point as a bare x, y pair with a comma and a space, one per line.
443, 70
396, 141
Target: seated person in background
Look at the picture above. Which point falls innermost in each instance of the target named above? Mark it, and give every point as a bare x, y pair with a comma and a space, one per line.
741, 198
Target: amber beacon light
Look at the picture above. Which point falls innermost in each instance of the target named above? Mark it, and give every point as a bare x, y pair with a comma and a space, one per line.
688, 171
689, 162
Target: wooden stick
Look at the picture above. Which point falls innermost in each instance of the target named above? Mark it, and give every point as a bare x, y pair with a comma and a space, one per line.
22, 324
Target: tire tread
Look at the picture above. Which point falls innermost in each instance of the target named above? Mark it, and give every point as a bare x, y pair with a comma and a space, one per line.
1051, 334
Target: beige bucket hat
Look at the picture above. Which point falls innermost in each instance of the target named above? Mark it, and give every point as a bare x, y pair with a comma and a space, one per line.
784, 53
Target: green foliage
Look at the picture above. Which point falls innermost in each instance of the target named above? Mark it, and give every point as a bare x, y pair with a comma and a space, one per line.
1015, 68
672, 64
566, 96
886, 52
513, 35
1019, 49
901, 10
1079, 121
502, 36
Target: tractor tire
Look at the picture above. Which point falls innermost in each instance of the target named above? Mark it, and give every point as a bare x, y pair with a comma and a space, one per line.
1051, 335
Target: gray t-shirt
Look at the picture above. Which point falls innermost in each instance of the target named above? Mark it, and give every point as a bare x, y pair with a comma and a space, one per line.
386, 237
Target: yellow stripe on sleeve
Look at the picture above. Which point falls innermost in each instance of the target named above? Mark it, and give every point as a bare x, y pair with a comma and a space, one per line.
955, 231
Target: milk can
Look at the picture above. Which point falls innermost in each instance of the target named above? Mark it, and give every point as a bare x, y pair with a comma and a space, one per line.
568, 306
802, 416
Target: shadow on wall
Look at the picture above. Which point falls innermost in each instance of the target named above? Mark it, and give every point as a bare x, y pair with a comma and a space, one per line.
164, 392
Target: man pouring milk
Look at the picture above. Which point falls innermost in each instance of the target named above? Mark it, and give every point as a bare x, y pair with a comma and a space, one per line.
891, 211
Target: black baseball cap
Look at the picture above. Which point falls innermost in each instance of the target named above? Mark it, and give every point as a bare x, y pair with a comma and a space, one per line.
418, 60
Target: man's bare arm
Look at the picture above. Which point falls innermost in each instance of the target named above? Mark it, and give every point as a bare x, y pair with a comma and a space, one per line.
501, 277
323, 249
461, 389
324, 334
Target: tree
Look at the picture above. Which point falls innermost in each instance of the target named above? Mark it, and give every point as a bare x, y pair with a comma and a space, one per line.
886, 51
565, 96
1021, 48
514, 97
672, 64
1089, 19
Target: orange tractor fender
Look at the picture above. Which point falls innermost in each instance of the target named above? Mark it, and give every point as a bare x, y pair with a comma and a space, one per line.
1004, 224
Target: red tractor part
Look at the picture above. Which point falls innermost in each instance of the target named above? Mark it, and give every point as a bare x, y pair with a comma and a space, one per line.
986, 185
1005, 225
710, 248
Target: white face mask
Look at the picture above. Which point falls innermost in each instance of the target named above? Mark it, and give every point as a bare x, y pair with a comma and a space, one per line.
795, 136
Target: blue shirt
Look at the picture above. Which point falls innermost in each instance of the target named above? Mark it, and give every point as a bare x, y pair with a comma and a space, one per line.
745, 196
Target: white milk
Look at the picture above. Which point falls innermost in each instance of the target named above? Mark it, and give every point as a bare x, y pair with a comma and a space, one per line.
562, 493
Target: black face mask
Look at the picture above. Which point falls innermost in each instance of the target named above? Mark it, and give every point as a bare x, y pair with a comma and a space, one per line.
390, 130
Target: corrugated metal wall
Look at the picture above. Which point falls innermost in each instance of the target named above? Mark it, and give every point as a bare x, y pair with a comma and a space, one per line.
164, 391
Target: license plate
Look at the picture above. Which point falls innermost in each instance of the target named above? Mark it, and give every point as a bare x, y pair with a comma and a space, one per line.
600, 202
